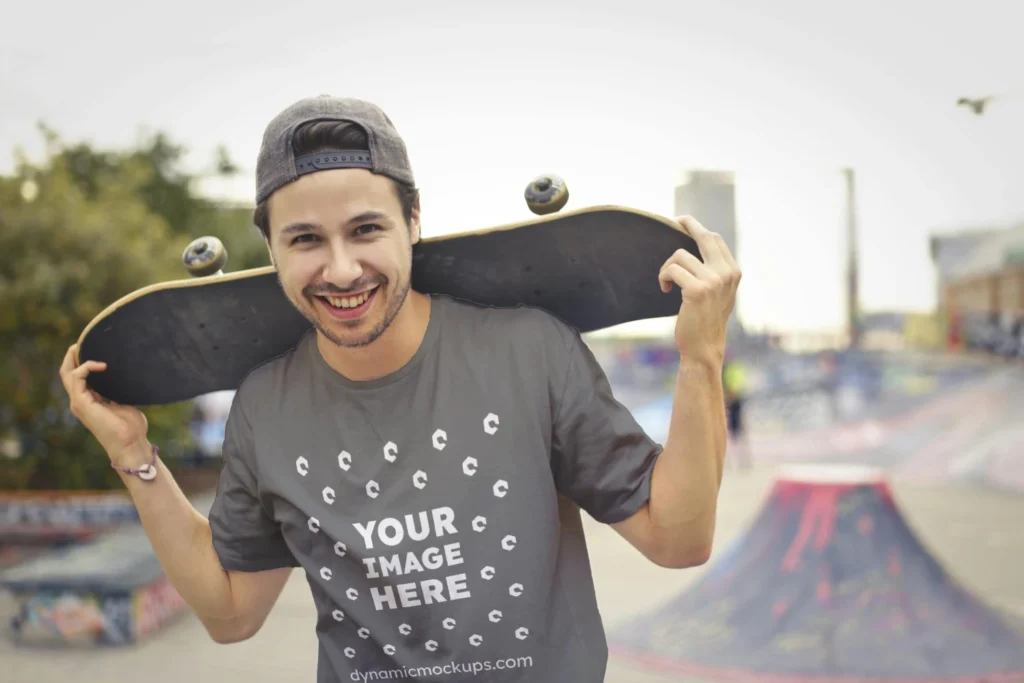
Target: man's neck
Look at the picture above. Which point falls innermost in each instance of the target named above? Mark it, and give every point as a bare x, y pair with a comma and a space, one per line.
390, 352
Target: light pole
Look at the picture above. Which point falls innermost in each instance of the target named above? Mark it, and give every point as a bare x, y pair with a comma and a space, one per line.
852, 269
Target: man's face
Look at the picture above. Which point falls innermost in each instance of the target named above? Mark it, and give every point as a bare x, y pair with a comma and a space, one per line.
343, 252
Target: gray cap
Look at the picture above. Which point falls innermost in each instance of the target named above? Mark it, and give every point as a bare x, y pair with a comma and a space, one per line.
277, 165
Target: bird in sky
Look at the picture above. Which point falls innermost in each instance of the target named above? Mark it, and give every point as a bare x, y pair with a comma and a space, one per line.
977, 105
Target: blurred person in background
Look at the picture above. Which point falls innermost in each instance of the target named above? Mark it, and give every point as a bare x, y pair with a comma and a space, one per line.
735, 385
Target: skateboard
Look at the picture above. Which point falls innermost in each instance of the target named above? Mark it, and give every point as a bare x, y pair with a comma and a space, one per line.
594, 268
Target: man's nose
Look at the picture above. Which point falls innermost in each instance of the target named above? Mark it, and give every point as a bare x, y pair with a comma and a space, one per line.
342, 268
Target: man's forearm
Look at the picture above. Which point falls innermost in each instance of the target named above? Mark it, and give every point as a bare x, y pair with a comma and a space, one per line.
182, 540
688, 474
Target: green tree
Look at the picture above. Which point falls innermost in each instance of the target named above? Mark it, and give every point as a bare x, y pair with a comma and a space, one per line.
79, 230
170, 192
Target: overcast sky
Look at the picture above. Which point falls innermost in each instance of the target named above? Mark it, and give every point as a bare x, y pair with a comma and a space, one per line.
619, 98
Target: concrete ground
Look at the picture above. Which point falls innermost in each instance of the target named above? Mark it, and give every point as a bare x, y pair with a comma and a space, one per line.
983, 546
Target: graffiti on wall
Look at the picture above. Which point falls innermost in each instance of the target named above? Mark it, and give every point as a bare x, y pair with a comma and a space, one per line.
155, 605
97, 619
75, 618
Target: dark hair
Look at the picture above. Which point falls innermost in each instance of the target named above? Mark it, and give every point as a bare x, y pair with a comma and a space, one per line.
333, 136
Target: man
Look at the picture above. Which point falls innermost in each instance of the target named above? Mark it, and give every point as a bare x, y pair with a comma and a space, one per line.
424, 459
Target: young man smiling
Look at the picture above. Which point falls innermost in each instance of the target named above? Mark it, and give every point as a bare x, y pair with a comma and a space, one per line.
422, 459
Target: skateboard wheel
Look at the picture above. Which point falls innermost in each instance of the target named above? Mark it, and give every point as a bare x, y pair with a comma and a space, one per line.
546, 194
205, 256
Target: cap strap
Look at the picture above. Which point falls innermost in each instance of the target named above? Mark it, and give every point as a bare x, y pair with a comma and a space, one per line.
324, 160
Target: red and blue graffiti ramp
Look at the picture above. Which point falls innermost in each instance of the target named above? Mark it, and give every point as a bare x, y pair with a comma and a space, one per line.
828, 584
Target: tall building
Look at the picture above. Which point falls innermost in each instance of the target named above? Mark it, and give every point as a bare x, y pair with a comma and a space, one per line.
710, 197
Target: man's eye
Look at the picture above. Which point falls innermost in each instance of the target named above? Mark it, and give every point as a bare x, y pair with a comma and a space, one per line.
367, 229
303, 238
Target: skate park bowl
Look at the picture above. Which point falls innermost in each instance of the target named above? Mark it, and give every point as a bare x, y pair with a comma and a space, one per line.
828, 583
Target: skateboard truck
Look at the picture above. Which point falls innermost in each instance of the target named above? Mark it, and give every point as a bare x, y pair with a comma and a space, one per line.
546, 194
205, 256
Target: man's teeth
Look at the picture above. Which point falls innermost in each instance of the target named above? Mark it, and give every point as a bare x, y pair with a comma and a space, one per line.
348, 302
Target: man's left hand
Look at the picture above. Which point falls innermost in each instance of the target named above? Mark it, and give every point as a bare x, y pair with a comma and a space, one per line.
708, 290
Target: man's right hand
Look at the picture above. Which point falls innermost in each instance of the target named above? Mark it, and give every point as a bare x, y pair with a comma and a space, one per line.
231, 605
121, 430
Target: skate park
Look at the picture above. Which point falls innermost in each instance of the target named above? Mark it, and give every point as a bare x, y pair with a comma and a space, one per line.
843, 552
844, 569
867, 176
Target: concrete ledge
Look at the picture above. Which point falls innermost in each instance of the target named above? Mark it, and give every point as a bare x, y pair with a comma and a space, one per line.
110, 591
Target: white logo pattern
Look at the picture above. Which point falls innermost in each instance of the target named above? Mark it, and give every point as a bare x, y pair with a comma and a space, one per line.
470, 466
491, 423
345, 460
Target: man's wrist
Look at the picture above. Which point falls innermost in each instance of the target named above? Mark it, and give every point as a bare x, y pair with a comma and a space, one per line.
704, 363
133, 457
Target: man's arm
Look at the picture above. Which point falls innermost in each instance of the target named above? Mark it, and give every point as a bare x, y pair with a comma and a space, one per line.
231, 605
676, 526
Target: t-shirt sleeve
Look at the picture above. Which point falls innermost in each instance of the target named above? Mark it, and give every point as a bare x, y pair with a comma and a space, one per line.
602, 458
245, 536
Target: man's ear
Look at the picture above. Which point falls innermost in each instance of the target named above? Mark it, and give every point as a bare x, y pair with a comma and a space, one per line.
414, 221
270, 252
265, 209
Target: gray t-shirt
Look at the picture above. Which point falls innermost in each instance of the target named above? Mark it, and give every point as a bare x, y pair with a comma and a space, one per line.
435, 511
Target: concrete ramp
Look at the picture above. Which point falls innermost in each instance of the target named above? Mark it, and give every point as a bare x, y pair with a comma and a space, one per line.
828, 584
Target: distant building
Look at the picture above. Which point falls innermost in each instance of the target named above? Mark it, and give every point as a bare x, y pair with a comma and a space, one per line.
951, 252
898, 330
710, 197
980, 276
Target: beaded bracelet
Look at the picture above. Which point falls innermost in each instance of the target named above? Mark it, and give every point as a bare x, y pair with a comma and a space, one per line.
147, 472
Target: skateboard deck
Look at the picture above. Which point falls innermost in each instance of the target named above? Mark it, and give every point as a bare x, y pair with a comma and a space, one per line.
594, 268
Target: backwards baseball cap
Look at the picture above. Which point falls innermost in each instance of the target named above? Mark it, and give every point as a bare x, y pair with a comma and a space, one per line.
277, 164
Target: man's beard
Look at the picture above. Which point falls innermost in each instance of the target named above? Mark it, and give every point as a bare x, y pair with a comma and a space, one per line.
390, 313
